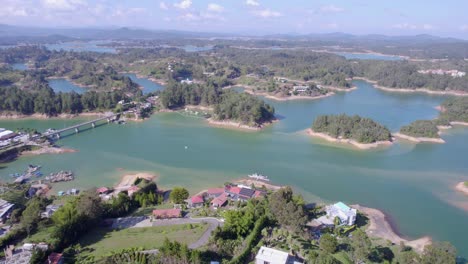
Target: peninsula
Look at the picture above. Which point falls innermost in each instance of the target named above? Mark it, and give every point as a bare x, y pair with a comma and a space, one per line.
363, 133
420, 131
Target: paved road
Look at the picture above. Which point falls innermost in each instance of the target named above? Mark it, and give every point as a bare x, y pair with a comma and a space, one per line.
136, 222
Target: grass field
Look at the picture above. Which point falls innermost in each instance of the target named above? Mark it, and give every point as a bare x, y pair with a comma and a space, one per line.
102, 241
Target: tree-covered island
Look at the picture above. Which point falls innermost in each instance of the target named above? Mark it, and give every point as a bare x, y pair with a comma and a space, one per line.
421, 131
358, 131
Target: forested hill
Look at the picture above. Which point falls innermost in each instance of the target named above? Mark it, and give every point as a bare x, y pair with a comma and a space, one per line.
455, 109
228, 105
421, 128
362, 130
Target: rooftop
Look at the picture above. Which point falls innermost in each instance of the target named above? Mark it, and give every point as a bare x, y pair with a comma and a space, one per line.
54, 258
197, 199
271, 255
342, 206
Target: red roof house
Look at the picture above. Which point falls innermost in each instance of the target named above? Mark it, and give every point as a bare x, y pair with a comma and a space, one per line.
196, 201
102, 190
55, 258
219, 201
214, 192
167, 213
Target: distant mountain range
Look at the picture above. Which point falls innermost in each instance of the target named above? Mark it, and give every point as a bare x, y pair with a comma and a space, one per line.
10, 31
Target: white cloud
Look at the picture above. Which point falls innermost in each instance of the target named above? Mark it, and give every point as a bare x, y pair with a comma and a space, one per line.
252, 3
330, 9
63, 5
184, 4
267, 13
409, 26
163, 6
331, 26
215, 8
464, 27
189, 17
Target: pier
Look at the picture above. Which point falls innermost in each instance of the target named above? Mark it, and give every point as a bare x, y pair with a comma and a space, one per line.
109, 118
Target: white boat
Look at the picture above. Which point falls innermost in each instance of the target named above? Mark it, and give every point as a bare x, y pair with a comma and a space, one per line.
259, 177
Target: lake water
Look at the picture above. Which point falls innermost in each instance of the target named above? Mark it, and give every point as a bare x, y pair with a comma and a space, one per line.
191, 48
412, 183
148, 86
19, 66
92, 46
368, 56
65, 86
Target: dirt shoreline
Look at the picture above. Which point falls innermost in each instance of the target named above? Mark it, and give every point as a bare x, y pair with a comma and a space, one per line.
237, 125
258, 184
461, 187
380, 227
48, 150
12, 115
127, 180
419, 139
348, 141
409, 90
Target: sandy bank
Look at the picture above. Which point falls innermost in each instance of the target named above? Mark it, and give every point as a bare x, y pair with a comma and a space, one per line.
410, 90
349, 141
258, 184
237, 125
461, 187
381, 228
12, 115
48, 150
128, 179
418, 139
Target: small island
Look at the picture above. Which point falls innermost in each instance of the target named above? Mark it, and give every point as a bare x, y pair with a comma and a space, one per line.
454, 111
462, 187
420, 131
230, 108
361, 132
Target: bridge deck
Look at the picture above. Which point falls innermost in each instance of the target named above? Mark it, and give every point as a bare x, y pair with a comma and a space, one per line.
79, 125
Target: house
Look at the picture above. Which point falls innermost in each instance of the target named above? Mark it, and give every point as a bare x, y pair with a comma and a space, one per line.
55, 258
246, 194
132, 190
50, 210
346, 214
242, 193
5, 210
196, 201
273, 256
167, 213
7, 134
102, 190
219, 201
300, 88
186, 81
214, 192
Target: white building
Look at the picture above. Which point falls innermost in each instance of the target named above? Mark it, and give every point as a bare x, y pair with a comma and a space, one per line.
346, 214
5, 210
273, 256
300, 88
50, 210
187, 81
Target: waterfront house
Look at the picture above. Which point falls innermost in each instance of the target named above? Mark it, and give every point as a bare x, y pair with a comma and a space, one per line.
268, 255
132, 190
219, 201
346, 214
214, 192
242, 193
50, 210
167, 213
300, 88
55, 258
102, 190
196, 201
5, 210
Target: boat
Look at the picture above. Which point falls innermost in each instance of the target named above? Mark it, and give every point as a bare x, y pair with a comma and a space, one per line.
259, 177
33, 168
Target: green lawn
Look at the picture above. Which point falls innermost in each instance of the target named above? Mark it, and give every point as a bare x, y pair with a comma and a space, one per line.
102, 241
43, 235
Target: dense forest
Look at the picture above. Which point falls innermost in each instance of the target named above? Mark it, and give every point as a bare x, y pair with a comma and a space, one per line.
421, 128
227, 104
363, 130
455, 109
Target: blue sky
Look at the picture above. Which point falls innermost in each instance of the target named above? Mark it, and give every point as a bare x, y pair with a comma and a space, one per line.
396, 17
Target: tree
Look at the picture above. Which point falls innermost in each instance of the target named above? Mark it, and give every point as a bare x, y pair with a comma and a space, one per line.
328, 243
326, 259
361, 245
286, 211
408, 257
439, 253
179, 195
32, 214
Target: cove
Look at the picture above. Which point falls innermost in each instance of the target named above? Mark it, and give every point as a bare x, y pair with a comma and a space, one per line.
148, 86
368, 56
412, 183
65, 86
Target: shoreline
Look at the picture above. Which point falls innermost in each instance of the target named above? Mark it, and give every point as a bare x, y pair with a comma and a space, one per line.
47, 150
409, 90
36, 116
354, 143
461, 187
418, 139
127, 180
380, 227
237, 125
250, 90
141, 76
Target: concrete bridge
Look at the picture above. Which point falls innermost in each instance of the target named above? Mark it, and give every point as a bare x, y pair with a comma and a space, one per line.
109, 118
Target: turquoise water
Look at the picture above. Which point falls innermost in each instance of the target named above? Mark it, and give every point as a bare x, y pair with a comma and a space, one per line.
65, 86
148, 86
82, 46
412, 183
19, 66
368, 56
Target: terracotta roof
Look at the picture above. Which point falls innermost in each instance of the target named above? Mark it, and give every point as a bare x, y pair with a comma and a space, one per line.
215, 191
102, 190
197, 199
167, 213
235, 190
54, 258
134, 188
258, 194
220, 200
